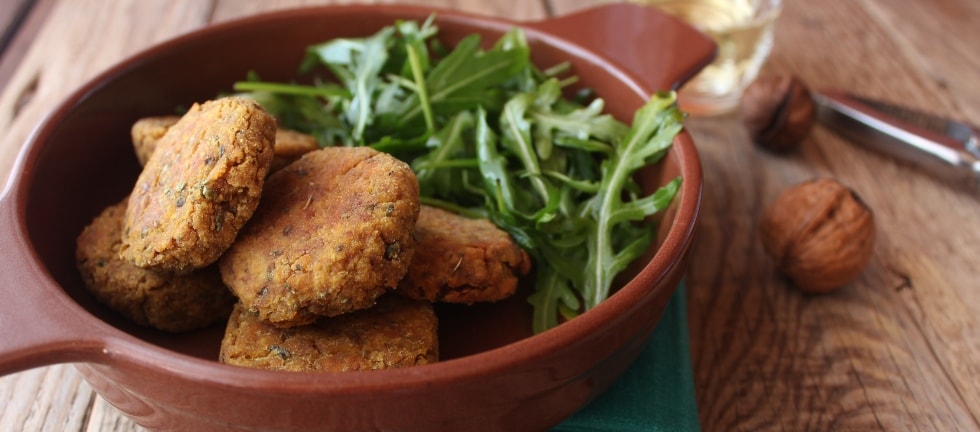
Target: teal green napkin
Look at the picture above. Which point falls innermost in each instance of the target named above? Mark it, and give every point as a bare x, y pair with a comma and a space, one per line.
657, 392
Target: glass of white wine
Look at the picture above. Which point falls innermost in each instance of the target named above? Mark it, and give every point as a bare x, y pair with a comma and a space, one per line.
743, 30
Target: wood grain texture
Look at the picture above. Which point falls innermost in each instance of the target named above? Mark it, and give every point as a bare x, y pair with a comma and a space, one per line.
52, 398
68, 51
12, 13
21, 27
896, 350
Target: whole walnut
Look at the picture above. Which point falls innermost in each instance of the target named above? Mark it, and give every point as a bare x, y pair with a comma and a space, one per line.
820, 234
778, 112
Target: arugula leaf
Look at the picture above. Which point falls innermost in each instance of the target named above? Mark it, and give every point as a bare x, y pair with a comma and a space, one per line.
300, 107
418, 63
465, 74
356, 62
446, 146
654, 128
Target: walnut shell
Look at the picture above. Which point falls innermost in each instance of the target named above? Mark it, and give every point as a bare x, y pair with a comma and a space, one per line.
820, 234
778, 112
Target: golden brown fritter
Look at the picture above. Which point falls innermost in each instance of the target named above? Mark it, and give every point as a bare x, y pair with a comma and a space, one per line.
333, 233
200, 186
462, 260
397, 332
289, 146
161, 300
146, 132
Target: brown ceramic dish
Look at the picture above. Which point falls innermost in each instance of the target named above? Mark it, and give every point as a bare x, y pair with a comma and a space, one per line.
495, 375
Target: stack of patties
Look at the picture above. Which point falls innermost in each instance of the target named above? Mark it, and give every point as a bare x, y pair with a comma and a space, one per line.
151, 257
332, 235
332, 260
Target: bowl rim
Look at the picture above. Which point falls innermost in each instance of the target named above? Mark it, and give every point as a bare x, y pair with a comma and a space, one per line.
121, 347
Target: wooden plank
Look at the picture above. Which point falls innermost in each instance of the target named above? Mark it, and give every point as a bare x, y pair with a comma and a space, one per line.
68, 51
22, 24
881, 354
517, 10
12, 13
45, 399
926, 274
938, 38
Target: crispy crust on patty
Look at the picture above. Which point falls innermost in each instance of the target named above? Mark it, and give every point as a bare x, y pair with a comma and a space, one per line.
161, 300
333, 233
397, 332
289, 146
462, 260
200, 186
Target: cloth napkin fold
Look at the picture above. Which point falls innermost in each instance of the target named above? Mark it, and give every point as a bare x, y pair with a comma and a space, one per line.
657, 392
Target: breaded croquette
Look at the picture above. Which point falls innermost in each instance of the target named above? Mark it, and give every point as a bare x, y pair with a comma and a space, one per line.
291, 145
397, 332
332, 234
200, 186
161, 300
462, 260
146, 132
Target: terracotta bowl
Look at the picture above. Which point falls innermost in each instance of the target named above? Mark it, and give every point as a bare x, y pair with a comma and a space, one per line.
495, 375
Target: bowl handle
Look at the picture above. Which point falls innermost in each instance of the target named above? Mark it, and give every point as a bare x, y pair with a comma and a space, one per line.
635, 38
39, 323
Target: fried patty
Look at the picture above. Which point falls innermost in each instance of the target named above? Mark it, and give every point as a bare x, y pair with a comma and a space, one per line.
397, 332
333, 233
199, 187
145, 133
462, 260
289, 146
161, 300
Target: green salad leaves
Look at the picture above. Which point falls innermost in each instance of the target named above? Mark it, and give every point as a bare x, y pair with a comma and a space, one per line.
491, 135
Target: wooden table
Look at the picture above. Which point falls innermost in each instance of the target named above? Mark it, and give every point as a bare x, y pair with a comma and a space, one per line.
896, 350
